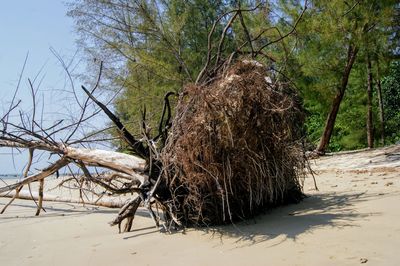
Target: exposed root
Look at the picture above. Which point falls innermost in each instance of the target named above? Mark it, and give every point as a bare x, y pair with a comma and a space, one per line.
232, 150
40, 201
235, 147
127, 212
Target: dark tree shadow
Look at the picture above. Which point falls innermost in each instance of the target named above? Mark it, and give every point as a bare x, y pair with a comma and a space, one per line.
288, 222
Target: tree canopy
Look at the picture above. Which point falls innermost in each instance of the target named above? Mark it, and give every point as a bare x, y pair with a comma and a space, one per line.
152, 47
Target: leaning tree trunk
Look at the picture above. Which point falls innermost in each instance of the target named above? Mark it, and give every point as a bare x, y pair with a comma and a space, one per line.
330, 121
380, 102
370, 126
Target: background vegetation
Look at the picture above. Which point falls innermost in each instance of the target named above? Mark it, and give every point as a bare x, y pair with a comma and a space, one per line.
155, 46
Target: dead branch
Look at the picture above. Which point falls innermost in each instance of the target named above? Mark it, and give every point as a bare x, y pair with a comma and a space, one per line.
215, 161
119, 162
288, 33
40, 200
14, 196
209, 39
128, 212
26, 195
116, 161
63, 161
207, 73
137, 146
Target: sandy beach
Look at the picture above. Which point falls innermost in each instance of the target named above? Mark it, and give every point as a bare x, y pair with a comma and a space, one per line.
352, 219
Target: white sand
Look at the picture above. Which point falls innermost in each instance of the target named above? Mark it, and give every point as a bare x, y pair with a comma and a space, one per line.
353, 218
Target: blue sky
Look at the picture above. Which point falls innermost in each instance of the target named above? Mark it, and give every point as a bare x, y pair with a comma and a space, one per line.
28, 26
34, 27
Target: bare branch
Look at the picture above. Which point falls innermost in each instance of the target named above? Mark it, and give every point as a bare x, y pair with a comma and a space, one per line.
80, 120
36, 177
137, 146
288, 33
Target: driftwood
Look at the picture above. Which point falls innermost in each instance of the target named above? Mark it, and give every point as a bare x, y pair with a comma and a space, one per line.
129, 166
39, 176
120, 162
125, 163
32, 195
125, 174
213, 184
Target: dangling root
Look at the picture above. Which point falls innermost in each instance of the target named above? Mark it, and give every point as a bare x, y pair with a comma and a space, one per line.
127, 212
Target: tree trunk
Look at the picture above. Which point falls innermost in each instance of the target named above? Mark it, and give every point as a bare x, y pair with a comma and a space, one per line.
130, 165
330, 121
37, 177
380, 102
120, 162
27, 195
370, 126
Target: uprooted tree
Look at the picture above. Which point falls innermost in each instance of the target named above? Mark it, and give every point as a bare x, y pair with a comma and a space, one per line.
231, 149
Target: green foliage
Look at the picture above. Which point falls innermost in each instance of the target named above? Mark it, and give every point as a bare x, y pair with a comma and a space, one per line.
151, 47
318, 61
391, 101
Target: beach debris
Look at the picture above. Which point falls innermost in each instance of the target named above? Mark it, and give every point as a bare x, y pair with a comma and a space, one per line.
232, 148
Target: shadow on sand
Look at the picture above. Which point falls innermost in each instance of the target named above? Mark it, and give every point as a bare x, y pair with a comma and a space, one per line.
279, 224
288, 222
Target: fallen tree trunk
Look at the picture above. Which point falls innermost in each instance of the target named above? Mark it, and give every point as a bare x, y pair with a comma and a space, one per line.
128, 165
128, 172
120, 162
33, 195
36, 177
234, 150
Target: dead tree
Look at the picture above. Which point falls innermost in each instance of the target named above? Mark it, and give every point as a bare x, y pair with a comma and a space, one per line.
150, 171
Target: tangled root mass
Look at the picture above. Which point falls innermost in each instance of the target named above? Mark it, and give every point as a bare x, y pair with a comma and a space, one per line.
235, 147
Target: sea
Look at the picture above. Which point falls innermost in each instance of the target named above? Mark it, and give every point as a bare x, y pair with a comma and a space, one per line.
15, 177
9, 176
